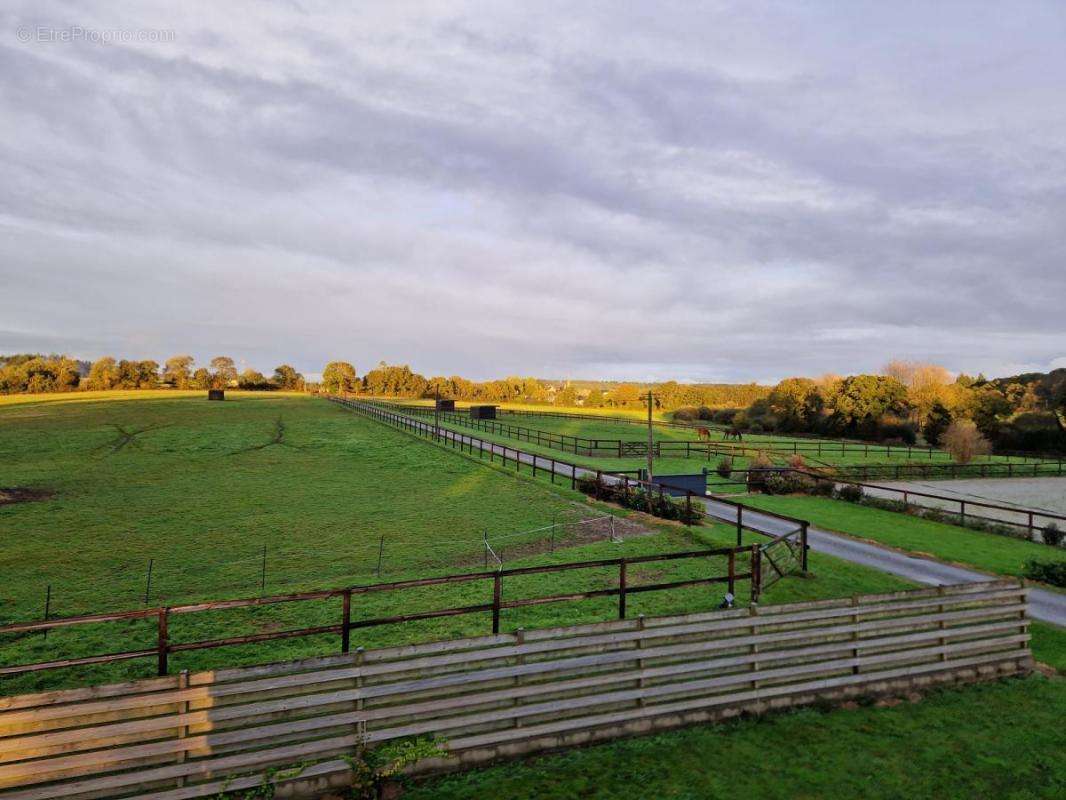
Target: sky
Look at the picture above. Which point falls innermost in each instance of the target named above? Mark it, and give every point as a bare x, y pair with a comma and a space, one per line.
714, 191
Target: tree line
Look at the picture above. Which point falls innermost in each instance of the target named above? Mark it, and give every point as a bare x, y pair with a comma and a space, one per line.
387, 380
910, 399
37, 373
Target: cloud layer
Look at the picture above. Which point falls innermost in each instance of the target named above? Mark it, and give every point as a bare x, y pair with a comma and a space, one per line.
724, 191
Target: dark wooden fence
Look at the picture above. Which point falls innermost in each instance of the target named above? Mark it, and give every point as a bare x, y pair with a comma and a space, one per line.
1019, 517
343, 628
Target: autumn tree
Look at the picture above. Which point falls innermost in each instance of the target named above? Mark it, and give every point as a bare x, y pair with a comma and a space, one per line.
338, 377
225, 372
178, 371
201, 379
103, 374
286, 377
964, 441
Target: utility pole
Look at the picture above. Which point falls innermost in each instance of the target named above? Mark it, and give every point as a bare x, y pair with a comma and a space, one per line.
651, 459
436, 413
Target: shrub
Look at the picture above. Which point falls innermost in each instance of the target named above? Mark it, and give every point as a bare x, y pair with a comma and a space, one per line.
849, 492
789, 483
759, 461
687, 414
823, 488
796, 461
892, 431
963, 441
705, 413
725, 467
725, 416
662, 505
1053, 572
756, 426
1052, 535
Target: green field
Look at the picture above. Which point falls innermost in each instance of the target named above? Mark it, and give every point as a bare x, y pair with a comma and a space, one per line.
779, 448
1001, 740
990, 552
201, 488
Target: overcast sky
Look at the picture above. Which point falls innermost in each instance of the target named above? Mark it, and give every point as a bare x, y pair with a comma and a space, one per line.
699, 191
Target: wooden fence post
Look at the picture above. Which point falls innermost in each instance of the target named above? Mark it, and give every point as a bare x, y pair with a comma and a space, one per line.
346, 621
162, 644
803, 547
496, 592
740, 525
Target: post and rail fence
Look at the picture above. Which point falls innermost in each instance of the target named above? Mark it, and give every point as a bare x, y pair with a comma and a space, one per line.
301, 724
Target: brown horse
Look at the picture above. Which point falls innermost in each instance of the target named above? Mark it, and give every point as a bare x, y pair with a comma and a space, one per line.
733, 433
703, 434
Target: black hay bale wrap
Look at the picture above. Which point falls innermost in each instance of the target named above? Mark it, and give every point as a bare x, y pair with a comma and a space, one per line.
216, 394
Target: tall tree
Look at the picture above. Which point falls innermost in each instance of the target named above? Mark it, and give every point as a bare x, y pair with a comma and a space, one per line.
225, 372
103, 374
286, 377
339, 376
178, 371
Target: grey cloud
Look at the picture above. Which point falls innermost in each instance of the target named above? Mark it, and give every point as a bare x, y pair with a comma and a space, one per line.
701, 196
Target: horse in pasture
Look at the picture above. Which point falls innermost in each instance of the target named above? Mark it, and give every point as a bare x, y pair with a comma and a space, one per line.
703, 434
733, 433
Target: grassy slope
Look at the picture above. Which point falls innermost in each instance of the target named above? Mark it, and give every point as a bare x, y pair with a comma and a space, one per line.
996, 740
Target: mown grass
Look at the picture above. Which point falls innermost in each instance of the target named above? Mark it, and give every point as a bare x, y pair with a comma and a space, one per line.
1002, 555
1000, 740
197, 497
201, 488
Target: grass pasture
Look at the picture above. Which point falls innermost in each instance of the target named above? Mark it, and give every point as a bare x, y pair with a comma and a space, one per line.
202, 487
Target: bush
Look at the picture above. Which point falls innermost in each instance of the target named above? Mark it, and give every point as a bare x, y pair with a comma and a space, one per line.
687, 414
787, 483
849, 493
1052, 535
796, 461
756, 426
662, 505
891, 432
823, 488
1053, 572
705, 413
725, 467
963, 441
725, 416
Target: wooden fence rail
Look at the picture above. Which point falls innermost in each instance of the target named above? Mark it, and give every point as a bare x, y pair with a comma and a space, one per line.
345, 625
195, 735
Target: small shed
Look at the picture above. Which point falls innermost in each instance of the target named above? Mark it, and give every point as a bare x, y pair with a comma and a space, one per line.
216, 394
483, 412
680, 485
445, 405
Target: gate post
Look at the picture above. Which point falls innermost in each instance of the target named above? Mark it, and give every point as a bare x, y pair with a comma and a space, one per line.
803, 546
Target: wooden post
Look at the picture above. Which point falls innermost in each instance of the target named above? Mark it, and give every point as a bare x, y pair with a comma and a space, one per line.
48, 604
162, 643
346, 621
756, 573
740, 526
496, 592
148, 581
855, 634
803, 547
622, 589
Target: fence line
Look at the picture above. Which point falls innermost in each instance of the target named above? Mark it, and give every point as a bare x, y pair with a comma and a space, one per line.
623, 448
552, 466
164, 646
205, 733
908, 494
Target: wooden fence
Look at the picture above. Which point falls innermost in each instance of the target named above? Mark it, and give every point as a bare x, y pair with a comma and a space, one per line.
195, 735
164, 646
